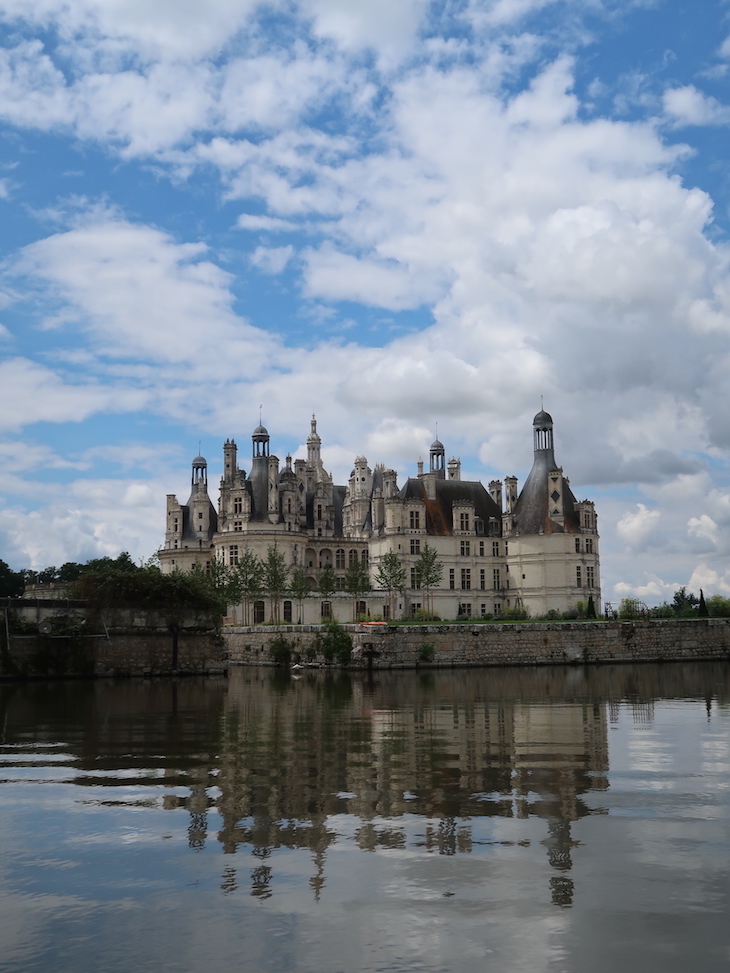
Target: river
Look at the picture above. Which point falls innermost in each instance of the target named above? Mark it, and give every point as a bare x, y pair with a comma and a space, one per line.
560, 820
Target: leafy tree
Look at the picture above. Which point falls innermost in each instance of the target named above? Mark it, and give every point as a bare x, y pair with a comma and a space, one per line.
300, 588
718, 606
390, 575
357, 581
335, 644
326, 581
275, 577
684, 602
11, 582
247, 580
429, 572
173, 594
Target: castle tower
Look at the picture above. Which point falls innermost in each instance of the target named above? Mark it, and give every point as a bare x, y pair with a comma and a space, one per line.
437, 454
314, 445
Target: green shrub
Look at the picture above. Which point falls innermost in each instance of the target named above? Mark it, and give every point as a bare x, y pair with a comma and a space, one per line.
335, 644
426, 652
280, 651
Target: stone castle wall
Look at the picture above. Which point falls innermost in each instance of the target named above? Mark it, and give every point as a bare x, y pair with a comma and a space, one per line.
525, 644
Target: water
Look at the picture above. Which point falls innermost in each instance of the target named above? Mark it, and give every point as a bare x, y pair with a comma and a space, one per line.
544, 820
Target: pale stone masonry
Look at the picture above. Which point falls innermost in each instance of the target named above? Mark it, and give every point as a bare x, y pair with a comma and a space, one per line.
498, 547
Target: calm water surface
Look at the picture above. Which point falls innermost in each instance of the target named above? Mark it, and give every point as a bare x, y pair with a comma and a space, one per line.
543, 820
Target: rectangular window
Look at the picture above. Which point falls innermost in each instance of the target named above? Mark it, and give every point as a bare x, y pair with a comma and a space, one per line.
237, 505
465, 609
481, 548
466, 578
326, 609
483, 610
482, 579
495, 579
200, 515
506, 548
463, 521
340, 558
415, 580
340, 582
452, 578
586, 520
238, 525
233, 554
319, 511
352, 557
415, 520
287, 611
495, 548
176, 525
577, 577
465, 548
589, 576
416, 607
415, 545
577, 545
497, 609
589, 545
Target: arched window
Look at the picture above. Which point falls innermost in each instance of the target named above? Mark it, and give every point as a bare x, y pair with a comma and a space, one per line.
340, 558
352, 558
365, 557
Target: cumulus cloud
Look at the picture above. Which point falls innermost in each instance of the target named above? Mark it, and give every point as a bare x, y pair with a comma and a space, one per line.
272, 260
689, 106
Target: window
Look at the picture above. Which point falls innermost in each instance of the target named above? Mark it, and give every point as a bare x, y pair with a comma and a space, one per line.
463, 521
589, 545
465, 548
364, 557
464, 609
495, 548
340, 582
200, 515
238, 525
352, 558
258, 613
386, 612
506, 548
176, 525
233, 554
577, 576
287, 611
482, 579
288, 505
589, 576
495, 579
319, 532
415, 545
452, 578
483, 610
481, 548
237, 505
362, 609
340, 558
586, 520
497, 609
415, 607
415, 520
319, 511
415, 580
466, 578
325, 610
577, 545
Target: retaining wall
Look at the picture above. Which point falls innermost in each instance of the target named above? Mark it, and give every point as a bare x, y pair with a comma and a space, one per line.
519, 644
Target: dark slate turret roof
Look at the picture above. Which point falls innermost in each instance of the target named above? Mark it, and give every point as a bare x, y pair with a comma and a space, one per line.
532, 511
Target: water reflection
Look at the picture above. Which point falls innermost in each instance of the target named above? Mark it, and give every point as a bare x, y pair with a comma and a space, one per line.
479, 787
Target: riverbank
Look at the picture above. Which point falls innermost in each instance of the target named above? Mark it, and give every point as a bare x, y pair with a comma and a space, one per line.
64, 640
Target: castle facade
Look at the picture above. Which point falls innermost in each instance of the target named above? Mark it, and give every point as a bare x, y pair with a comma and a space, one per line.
496, 548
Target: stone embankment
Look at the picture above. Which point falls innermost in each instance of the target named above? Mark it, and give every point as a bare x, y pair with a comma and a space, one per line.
44, 638
516, 644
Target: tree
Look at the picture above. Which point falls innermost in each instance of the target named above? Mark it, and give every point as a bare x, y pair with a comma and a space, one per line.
390, 575
429, 572
684, 602
247, 580
276, 576
357, 581
300, 588
326, 581
11, 582
702, 611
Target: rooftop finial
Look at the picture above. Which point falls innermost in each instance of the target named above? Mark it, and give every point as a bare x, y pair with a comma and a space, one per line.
542, 405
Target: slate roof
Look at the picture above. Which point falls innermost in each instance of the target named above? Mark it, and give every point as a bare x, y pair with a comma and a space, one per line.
439, 520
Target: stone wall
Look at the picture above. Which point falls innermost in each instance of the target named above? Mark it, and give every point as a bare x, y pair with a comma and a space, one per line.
521, 644
62, 639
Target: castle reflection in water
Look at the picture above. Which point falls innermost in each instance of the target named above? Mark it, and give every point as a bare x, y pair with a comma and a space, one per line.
418, 762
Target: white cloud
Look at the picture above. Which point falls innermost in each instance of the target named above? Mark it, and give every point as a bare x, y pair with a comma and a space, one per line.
689, 106
272, 260
637, 527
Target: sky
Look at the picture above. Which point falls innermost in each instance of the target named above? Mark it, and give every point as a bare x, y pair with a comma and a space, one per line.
406, 218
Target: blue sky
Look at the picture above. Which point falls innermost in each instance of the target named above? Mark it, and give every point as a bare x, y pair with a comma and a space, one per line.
391, 215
